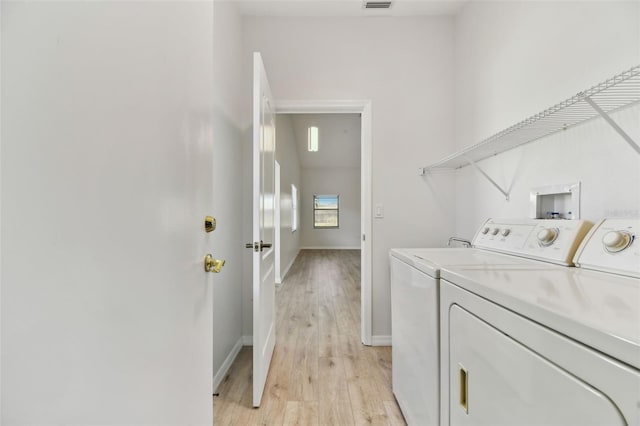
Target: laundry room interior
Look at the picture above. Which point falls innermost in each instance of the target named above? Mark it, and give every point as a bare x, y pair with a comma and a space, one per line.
378, 179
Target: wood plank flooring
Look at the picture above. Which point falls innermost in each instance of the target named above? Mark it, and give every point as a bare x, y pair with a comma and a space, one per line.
320, 372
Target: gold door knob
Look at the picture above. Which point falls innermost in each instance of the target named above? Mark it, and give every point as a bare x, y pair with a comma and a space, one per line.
213, 265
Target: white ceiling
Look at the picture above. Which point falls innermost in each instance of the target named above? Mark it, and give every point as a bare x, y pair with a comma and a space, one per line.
338, 136
347, 8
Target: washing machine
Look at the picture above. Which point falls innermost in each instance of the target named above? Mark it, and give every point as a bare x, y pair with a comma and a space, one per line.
525, 346
415, 292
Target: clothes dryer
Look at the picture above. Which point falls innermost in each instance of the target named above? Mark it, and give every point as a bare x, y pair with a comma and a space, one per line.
555, 347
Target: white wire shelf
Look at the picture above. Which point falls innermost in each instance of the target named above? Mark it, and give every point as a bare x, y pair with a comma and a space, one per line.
616, 93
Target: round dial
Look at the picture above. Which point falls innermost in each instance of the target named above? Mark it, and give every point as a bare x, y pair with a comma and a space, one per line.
547, 236
485, 231
506, 232
615, 241
495, 231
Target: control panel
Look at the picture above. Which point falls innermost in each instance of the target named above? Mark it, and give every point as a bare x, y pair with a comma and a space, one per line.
550, 240
612, 246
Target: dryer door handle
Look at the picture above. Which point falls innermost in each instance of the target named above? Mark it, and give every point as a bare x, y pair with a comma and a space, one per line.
464, 391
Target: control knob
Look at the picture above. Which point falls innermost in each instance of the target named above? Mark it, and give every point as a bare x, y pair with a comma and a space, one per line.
547, 236
485, 230
506, 232
616, 241
495, 231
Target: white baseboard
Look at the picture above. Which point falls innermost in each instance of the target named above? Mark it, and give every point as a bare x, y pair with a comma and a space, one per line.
247, 340
286, 270
380, 340
330, 248
224, 368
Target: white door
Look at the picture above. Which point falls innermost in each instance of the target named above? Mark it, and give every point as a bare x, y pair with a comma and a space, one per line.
264, 147
106, 180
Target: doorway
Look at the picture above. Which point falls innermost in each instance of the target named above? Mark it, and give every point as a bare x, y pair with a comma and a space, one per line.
363, 109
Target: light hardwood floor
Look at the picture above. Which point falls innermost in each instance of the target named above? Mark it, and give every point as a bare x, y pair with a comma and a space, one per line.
320, 372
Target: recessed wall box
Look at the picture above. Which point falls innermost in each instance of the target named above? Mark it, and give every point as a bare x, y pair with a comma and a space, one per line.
555, 201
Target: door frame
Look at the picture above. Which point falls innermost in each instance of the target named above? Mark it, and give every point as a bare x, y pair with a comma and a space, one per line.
277, 224
362, 107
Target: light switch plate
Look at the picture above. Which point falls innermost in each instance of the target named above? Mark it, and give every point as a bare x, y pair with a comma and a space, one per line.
379, 211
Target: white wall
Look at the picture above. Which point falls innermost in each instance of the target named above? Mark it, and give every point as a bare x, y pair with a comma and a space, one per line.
345, 183
287, 157
227, 138
514, 59
405, 67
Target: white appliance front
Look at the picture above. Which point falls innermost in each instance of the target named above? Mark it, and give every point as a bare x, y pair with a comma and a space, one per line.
415, 351
415, 322
498, 321
415, 274
500, 368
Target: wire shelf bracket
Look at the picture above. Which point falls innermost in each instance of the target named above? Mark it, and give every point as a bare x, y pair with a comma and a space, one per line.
614, 94
613, 124
493, 182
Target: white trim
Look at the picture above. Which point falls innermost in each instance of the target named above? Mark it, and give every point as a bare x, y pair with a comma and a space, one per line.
380, 340
331, 248
364, 108
287, 106
247, 340
224, 368
286, 270
367, 231
1, 144
276, 219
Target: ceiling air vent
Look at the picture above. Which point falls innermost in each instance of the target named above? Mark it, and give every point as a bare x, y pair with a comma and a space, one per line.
377, 4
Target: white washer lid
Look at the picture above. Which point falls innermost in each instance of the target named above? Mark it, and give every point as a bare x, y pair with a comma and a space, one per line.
431, 260
599, 309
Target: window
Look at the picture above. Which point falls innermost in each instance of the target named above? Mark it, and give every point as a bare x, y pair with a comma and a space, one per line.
312, 139
325, 211
294, 208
